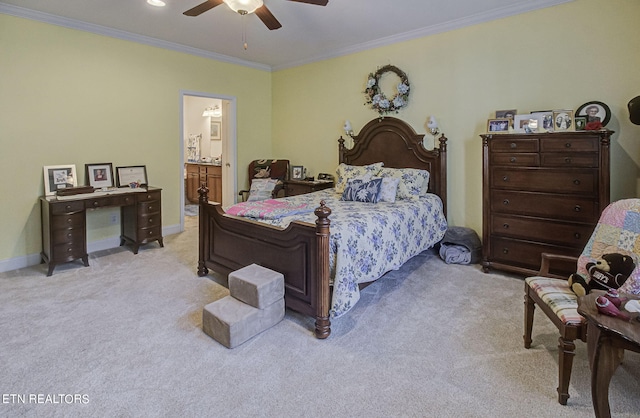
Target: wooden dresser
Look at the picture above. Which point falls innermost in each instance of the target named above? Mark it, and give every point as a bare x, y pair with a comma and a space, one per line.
541, 193
209, 174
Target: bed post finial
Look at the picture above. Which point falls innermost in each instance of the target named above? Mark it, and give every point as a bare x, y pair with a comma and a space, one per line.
443, 143
203, 191
323, 295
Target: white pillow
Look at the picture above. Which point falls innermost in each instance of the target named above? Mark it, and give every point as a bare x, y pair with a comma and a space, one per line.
413, 181
388, 189
261, 189
349, 172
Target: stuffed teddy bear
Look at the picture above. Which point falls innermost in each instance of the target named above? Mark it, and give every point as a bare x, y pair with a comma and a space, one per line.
608, 272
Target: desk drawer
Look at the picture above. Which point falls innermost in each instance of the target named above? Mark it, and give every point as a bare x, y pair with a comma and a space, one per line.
75, 220
146, 221
146, 208
543, 230
148, 196
109, 201
69, 235
59, 208
579, 181
68, 251
151, 233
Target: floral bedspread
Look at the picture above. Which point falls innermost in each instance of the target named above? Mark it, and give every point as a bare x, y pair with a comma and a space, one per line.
369, 239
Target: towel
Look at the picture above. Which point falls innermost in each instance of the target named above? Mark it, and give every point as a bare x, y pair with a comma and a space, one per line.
455, 254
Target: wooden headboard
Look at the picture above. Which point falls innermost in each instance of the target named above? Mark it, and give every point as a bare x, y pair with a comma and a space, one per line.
395, 143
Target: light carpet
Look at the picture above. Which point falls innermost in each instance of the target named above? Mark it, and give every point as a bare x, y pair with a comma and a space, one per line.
428, 340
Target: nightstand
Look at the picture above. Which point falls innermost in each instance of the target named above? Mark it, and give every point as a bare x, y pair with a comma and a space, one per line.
296, 187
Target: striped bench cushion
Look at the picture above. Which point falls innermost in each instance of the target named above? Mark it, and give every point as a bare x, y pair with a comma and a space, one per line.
558, 295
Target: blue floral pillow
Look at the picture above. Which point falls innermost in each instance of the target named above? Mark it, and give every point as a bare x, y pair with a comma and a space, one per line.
362, 191
261, 189
413, 182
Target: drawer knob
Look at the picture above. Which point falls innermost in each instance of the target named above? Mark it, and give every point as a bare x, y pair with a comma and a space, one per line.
69, 220
567, 145
150, 220
576, 235
505, 226
150, 207
513, 145
567, 160
68, 207
576, 182
69, 235
513, 159
505, 251
577, 208
69, 250
505, 178
505, 202
95, 203
150, 233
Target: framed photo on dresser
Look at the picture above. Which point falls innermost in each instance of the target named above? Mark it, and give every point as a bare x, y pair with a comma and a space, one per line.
131, 176
99, 175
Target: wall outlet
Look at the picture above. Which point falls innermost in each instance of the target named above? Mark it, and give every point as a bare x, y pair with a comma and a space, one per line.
114, 218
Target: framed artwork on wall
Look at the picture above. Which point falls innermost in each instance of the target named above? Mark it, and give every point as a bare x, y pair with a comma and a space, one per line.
58, 177
215, 130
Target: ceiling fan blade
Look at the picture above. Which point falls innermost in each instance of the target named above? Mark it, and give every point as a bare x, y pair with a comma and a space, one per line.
202, 7
316, 2
268, 18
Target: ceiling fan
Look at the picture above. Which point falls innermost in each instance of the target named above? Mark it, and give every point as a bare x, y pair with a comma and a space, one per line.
245, 7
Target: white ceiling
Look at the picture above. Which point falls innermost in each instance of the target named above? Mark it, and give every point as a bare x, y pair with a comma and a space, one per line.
309, 33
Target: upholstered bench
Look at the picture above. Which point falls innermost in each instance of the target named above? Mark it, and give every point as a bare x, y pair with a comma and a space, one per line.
255, 304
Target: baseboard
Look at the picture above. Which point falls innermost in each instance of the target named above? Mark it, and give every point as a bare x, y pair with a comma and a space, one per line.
24, 261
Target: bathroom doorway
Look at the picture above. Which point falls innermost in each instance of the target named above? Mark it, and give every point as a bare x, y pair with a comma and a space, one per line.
208, 144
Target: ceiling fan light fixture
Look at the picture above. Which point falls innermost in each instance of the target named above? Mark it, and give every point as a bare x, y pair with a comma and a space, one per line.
157, 3
244, 6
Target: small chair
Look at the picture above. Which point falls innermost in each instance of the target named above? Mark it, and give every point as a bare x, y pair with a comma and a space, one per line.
617, 231
267, 169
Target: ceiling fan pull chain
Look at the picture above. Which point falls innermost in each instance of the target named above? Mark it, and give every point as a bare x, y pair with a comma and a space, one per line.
245, 45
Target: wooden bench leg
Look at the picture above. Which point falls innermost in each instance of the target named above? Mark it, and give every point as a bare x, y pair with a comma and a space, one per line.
529, 310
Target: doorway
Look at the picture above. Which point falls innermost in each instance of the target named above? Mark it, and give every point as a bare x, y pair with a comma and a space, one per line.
208, 139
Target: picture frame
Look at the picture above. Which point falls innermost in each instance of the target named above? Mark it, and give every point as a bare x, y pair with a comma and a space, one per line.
595, 112
563, 120
297, 172
98, 175
215, 130
499, 125
502, 114
580, 122
58, 177
545, 120
526, 123
132, 176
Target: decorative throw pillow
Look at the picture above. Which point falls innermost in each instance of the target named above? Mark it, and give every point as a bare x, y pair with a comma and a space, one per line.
361, 191
349, 172
388, 189
412, 181
261, 189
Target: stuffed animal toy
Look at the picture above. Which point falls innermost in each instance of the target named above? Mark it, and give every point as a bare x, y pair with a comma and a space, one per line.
608, 272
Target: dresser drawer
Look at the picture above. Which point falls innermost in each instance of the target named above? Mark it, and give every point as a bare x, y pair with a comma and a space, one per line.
514, 145
560, 206
569, 143
68, 251
570, 160
515, 159
579, 181
540, 229
526, 254
67, 207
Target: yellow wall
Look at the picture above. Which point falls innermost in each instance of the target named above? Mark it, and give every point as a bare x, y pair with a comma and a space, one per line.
555, 58
72, 97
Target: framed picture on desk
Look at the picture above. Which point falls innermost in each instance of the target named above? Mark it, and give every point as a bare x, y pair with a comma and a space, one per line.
297, 172
58, 177
131, 176
99, 175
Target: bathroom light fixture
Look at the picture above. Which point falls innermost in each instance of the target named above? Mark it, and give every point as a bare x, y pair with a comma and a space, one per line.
347, 128
433, 126
214, 111
157, 3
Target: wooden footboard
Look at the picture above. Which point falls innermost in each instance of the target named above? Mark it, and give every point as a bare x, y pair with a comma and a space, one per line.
300, 252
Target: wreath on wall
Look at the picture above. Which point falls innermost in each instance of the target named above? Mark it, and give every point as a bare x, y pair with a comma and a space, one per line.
378, 100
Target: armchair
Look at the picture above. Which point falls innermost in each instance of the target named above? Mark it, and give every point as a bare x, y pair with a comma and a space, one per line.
617, 231
267, 169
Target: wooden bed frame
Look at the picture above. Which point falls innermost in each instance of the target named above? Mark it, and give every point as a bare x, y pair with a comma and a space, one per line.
301, 251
